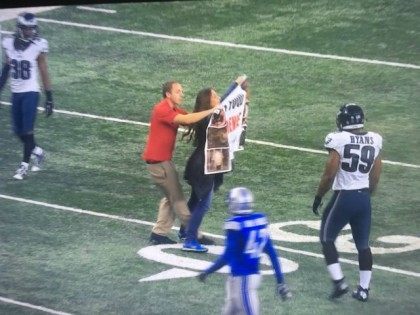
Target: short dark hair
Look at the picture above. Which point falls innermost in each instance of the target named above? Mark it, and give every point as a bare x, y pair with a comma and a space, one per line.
167, 87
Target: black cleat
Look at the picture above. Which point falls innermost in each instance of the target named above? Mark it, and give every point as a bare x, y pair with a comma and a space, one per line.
340, 288
156, 239
361, 294
182, 236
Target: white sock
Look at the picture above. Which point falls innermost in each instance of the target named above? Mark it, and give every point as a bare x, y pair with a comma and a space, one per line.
26, 165
365, 276
335, 271
37, 150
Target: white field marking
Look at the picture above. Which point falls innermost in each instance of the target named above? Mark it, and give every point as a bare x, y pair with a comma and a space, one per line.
36, 307
266, 143
10, 14
120, 218
233, 45
71, 209
81, 7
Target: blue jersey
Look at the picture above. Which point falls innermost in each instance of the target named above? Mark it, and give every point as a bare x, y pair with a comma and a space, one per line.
247, 237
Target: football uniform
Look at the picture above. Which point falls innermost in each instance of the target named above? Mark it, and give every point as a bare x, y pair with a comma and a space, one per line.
247, 238
351, 199
24, 65
24, 82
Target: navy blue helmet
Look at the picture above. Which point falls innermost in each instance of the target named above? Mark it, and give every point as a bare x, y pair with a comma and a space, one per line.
350, 116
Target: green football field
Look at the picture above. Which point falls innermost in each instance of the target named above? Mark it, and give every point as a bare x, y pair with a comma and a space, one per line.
74, 237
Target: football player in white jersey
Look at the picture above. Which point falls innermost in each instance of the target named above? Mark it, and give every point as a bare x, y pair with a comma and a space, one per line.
352, 170
25, 56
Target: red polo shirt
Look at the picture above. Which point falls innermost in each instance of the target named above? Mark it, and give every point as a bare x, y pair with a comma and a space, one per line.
162, 132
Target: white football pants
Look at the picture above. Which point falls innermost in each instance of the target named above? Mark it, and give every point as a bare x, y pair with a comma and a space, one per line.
242, 295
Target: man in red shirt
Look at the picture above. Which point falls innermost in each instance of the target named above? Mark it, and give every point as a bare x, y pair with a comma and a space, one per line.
164, 121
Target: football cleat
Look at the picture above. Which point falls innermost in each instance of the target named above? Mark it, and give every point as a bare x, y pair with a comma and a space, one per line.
182, 234
194, 246
340, 288
21, 172
361, 294
38, 161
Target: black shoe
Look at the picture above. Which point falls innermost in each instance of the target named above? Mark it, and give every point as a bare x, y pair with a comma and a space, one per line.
156, 239
182, 235
204, 240
340, 288
361, 294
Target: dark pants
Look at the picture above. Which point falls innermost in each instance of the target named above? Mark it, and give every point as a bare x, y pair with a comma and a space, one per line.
348, 206
24, 109
198, 207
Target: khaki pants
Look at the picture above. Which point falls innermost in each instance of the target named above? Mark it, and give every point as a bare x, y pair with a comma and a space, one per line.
165, 176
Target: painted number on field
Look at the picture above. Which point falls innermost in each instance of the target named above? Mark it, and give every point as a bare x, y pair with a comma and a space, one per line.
190, 267
281, 232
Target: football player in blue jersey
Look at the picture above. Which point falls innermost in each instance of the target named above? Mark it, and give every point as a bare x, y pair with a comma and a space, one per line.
25, 56
247, 237
352, 170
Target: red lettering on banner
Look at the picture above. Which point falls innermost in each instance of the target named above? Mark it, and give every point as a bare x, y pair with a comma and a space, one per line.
233, 123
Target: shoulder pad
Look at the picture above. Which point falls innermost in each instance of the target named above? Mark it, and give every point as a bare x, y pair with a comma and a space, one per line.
334, 140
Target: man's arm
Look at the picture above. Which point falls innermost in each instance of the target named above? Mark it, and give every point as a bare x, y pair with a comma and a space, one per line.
375, 173
271, 252
43, 70
4, 72
281, 289
231, 240
331, 169
188, 119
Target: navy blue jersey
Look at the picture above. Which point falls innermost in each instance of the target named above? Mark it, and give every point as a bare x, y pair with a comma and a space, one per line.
247, 237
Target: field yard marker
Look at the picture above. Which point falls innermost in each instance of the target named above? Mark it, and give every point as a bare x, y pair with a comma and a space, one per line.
232, 45
71, 209
36, 307
120, 218
81, 7
266, 143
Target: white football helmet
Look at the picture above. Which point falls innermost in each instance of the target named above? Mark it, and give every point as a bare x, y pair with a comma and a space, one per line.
240, 200
24, 22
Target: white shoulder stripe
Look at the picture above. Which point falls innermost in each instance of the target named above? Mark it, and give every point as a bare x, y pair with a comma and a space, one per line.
232, 225
256, 222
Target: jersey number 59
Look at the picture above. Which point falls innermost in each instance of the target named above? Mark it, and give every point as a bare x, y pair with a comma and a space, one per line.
366, 155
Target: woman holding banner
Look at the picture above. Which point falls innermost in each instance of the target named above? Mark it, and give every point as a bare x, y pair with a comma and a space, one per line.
202, 185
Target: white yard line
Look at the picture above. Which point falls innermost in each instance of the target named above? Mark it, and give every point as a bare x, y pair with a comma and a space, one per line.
81, 7
120, 218
10, 14
265, 143
232, 45
35, 307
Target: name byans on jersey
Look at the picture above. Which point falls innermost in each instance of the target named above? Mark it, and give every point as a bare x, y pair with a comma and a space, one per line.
361, 139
